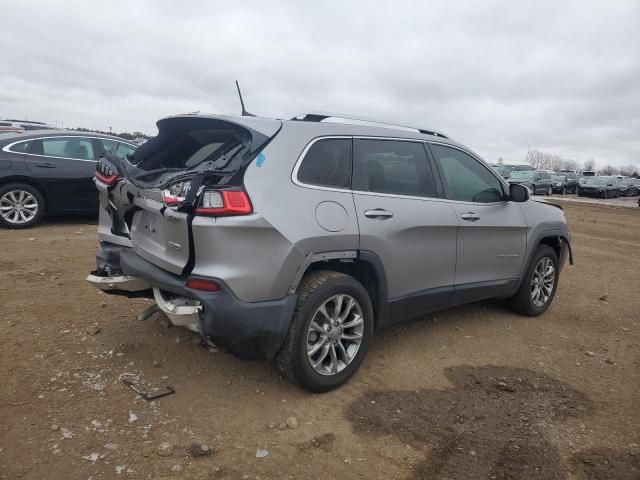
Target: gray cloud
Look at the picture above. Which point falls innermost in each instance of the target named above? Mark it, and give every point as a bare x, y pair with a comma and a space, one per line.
498, 76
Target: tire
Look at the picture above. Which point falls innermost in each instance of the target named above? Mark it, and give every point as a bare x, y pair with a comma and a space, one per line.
605, 194
533, 189
318, 289
564, 190
522, 302
550, 191
23, 196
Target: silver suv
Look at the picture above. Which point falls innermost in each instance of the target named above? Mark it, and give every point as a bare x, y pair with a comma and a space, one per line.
295, 240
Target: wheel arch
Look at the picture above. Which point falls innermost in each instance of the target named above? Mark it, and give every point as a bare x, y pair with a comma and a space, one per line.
364, 266
557, 240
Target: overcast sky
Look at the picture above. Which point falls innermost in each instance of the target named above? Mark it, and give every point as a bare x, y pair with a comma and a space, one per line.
500, 77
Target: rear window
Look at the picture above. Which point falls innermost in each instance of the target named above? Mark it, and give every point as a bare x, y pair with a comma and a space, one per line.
22, 147
327, 163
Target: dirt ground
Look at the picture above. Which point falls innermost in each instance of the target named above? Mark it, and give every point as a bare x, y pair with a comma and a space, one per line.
471, 392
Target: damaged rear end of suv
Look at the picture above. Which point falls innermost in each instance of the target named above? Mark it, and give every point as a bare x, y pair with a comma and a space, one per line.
180, 195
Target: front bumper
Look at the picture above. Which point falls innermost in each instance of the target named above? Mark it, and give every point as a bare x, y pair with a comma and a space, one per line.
248, 329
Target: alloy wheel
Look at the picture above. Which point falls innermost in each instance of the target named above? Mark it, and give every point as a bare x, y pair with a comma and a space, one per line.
542, 281
18, 207
335, 334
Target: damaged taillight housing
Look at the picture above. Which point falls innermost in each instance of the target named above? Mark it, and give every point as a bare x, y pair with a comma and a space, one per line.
106, 173
224, 203
176, 193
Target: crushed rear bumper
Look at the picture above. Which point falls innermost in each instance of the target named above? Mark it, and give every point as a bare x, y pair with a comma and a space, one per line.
248, 329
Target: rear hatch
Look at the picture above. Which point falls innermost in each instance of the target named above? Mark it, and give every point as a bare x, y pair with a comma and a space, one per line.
149, 198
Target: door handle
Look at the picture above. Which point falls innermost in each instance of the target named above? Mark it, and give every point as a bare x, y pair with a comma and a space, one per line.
45, 165
470, 217
378, 213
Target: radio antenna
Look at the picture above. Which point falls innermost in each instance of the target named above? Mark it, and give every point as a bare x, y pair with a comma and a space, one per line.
244, 112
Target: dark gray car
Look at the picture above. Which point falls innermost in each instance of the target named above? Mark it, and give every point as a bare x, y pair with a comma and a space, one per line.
538, 181
295, 240
50, 171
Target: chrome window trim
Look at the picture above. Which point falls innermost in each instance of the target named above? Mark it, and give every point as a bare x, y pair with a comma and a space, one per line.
294, 173
7, 148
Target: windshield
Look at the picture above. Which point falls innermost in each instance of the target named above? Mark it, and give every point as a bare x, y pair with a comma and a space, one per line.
523, 174
595, 181
559, 177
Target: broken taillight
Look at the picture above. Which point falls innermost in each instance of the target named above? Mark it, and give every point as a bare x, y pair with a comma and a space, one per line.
176, 193
105, 174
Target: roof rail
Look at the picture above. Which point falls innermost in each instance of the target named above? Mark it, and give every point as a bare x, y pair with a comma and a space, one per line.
351, 120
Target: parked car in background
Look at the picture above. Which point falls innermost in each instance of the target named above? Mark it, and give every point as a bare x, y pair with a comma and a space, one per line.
598, 187
626, 187
10, 125
538, 181
297, 240
50, 171
565, 183
506, 169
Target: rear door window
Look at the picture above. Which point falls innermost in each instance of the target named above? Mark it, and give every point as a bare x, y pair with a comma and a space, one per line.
327, 163
394, 167
465, 178
75, 147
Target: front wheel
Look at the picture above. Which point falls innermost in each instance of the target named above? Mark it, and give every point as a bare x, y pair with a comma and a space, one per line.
330, 332
539, 284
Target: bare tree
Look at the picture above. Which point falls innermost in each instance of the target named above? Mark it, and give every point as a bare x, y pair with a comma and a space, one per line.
607, 170
628, 170
570, 165
589, 164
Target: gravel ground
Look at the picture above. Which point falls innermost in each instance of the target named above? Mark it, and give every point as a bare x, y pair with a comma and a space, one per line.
471, 392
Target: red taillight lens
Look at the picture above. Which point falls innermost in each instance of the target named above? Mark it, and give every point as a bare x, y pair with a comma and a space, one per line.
224, 202
203, 284
106, 179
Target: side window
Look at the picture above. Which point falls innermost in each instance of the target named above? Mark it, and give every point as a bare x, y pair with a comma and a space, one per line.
327, 163
75, 147
392, 166
465, 178
22, 147
124, 150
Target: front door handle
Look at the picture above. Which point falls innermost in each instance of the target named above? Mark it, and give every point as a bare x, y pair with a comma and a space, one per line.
470, 217
46, 165
378, 213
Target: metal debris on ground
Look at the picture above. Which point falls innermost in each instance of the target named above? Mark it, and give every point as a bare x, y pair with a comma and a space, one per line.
145, 395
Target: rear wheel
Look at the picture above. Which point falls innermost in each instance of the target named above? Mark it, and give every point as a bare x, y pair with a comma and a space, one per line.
330, 331
21, 206
539, 285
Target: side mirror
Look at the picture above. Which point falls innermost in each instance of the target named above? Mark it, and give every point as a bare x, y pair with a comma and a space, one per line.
519, 193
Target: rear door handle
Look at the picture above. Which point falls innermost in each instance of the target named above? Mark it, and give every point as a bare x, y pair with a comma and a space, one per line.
378, 213
46, 165
470, 217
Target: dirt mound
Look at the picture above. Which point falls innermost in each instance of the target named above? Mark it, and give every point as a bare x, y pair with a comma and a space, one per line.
490, 424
